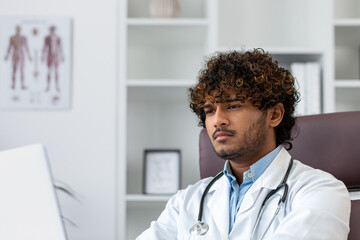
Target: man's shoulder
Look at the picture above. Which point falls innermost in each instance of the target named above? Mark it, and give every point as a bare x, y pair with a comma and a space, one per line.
318, 190
307, 177
304, 171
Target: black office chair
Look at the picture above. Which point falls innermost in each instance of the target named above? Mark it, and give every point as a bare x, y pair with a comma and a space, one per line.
330, 142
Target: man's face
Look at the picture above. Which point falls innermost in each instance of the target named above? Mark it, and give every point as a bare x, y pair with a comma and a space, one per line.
236, 130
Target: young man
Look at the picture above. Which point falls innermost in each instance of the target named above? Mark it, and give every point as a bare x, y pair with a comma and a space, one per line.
246, 103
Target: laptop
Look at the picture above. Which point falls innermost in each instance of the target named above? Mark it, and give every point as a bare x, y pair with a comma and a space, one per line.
29, 208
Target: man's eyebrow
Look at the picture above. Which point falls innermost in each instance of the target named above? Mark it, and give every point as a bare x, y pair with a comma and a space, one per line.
233, 100
227, 101
207, 105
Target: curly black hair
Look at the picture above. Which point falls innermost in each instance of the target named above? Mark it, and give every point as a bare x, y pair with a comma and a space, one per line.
256, 78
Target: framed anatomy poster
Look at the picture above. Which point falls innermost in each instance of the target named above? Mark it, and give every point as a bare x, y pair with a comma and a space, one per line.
161, 171
35, 62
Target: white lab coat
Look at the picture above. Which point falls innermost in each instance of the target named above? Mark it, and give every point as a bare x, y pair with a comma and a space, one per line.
317, 207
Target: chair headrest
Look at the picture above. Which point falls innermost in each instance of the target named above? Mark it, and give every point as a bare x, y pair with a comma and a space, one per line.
210, 163
330, 142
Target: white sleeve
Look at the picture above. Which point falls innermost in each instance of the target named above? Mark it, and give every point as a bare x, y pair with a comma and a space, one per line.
318, 211
165, 227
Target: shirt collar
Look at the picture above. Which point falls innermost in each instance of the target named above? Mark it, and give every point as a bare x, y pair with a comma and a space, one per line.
256, 170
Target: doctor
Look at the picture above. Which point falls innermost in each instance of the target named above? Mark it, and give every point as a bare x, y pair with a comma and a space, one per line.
246, 103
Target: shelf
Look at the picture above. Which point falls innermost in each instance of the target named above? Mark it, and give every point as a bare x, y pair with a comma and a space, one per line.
347, 99
166, 35
290, 57
165, 52
158, 95
300, 25
349, 35
344, 9
191, 22
188, 8
146, 198
347, 49
347, 83
296, 51
160, 83
281, 50
347, 22
160, 118
164, 61
288, 54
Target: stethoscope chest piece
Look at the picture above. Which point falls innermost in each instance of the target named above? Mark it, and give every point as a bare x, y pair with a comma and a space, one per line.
199, 228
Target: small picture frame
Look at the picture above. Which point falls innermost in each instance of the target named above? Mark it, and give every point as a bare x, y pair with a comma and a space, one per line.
161, 172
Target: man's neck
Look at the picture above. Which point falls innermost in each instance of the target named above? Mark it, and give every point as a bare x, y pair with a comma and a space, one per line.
239, 166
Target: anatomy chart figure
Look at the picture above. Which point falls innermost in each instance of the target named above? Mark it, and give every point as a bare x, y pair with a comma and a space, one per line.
53, 53
18, 46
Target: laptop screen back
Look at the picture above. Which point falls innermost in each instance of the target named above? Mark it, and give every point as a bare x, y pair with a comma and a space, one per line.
28, 203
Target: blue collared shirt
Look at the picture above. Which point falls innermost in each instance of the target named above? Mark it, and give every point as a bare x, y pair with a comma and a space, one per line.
237, 193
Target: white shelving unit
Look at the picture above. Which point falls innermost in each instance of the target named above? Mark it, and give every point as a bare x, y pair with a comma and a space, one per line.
160, 58
347, 83
346, 25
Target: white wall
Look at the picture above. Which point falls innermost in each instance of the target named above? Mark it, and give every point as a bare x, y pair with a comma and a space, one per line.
81, 140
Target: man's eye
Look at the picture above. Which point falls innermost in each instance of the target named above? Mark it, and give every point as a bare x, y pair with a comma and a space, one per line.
209, 111
234, 106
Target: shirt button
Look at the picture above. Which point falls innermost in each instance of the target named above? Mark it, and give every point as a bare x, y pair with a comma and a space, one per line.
249, 175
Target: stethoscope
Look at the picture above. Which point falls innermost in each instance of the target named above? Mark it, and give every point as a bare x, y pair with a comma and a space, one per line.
201, 228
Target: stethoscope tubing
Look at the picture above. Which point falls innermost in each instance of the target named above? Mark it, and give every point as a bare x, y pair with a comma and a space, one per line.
268, 196
219, 175
271, 221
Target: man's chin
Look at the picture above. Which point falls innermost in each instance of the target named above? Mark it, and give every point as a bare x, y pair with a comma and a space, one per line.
226, 154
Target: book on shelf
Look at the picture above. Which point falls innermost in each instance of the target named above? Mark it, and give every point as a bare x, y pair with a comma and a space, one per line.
308, 83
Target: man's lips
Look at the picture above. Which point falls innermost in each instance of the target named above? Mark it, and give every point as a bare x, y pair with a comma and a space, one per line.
222, 134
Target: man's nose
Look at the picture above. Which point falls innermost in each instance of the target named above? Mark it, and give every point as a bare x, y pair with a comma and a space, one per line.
221, 118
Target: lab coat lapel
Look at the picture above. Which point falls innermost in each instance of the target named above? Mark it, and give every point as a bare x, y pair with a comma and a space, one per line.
270, 179
218, 205
250, 197
275, 173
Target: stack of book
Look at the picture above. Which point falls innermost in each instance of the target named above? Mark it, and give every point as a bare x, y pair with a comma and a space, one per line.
308, 84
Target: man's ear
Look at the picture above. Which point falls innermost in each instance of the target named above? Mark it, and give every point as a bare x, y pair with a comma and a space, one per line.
276, 115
